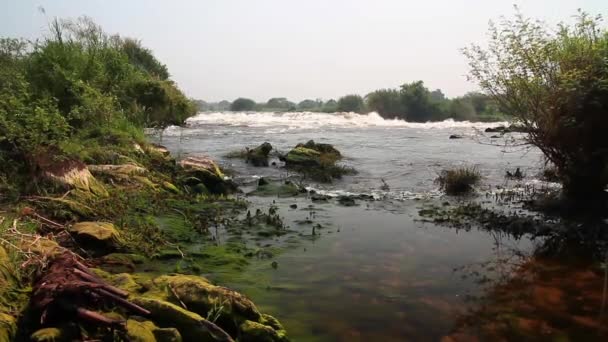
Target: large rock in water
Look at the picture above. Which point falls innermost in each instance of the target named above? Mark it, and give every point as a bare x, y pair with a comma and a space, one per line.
259, 156
302, 156
326, 149
203, 170
312, 154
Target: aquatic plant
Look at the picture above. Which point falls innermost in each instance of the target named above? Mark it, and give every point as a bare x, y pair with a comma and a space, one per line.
458, 181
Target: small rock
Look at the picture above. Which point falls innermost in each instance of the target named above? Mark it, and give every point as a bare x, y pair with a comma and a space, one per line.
262, 181
456, 136
347, 201
274, 265
294, 206
319, 198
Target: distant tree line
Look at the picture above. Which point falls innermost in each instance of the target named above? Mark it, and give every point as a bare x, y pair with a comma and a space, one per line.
413, 102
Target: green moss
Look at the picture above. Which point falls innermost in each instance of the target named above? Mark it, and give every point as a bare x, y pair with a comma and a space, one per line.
176, 227
258, 332
170, 315
100, 234
47, 335
167, 335
140, 331
124, 258
8, 327
170, 187
303, 156
224, 258
286, 189
97, 188
201, 297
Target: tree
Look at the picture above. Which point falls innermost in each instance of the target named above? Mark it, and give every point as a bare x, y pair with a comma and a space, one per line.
242, 104
386, 102
144, 59
331, 106
309, 104
418, 104
279, 103
555, 83
462, 109
351, 103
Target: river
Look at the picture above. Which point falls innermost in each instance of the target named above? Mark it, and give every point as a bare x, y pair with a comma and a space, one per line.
376, 271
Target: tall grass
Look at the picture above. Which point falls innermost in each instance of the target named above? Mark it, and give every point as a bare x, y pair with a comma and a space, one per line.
458, 181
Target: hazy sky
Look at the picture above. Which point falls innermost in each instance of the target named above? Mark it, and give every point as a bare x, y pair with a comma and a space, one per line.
223, 49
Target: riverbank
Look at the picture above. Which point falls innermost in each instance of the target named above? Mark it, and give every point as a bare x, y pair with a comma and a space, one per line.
119, 249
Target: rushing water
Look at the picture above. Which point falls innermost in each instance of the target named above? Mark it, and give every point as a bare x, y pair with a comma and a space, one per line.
375, 272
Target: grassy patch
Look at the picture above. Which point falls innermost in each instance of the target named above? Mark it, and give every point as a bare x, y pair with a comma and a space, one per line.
458, 181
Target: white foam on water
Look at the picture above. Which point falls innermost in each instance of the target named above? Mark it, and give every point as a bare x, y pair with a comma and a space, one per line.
304, 120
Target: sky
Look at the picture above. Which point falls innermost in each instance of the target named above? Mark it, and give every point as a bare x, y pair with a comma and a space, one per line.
224, 49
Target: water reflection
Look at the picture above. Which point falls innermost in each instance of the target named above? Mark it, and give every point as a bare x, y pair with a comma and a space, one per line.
557, 292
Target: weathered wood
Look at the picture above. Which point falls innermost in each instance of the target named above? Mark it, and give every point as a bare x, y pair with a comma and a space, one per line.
123, 302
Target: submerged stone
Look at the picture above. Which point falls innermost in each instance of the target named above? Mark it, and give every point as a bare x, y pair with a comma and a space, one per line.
286, 189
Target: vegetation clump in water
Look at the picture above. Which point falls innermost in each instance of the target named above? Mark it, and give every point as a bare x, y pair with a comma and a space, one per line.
458, 181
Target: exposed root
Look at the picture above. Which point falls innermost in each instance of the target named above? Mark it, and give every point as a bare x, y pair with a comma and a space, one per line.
68, 287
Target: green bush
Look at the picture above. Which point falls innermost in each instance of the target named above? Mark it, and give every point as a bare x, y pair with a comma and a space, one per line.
554, 81
81, 94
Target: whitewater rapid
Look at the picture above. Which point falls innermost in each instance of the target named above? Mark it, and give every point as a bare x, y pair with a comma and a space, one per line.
308, 120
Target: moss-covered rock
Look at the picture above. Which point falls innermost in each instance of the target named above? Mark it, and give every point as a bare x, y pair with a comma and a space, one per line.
46, 335
201, 296
204, 170
326, 149
167, 335
141, 331
317, 161
191, 326
202, 165
259, 156
100, 234
302, 156
257, 332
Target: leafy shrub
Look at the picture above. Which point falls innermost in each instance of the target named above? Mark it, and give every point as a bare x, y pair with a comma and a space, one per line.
555, 83
458, 181
81, 94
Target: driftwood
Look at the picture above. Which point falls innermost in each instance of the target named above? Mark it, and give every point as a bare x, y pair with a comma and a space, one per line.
68, 289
